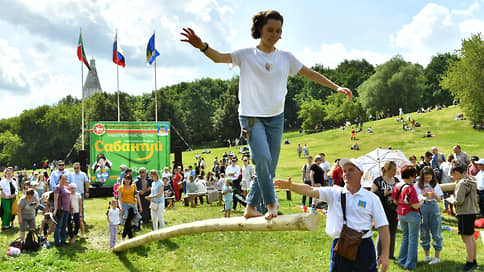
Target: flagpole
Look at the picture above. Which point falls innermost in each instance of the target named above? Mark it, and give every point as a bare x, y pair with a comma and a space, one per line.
82, 99
156, 100
82, 95
117, 77
117, 72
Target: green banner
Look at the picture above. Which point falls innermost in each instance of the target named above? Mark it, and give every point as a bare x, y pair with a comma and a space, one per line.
134, 144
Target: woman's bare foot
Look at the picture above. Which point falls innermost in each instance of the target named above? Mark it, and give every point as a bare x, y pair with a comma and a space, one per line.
271, 211
250, 211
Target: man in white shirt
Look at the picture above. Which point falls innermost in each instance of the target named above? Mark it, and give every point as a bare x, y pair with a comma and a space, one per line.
362, 208
326, 168
82, 184
233, 170
480, 184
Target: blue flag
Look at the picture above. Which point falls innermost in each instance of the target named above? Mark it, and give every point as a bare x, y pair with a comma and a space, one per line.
151, 52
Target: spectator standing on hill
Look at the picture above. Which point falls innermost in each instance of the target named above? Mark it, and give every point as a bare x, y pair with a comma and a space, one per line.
445, 169
317, 177
62, 207
465, 202
306, 178
461, 155
473, 169
427, 161
54, 177
383, 187
362, 208
480, 185
143, 184
405, 196
82, 185
306, 151
299, 150
428, 189
437, 158
248, 173
326, 168
337, 174
9, 192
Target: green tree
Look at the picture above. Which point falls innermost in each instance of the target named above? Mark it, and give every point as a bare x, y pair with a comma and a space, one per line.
338, 109
434, 94
226, 119
312, 112
395, 84
9, 146
351, 73
465, 78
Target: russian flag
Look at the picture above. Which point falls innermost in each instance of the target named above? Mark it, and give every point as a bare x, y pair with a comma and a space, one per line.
118, 54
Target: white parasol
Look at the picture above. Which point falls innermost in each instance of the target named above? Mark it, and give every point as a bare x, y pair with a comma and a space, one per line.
376, 159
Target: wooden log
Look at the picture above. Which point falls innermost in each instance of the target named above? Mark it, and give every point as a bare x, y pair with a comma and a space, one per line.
449, 187
300, 221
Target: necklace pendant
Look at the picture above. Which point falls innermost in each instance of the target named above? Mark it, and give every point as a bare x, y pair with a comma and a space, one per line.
268, 66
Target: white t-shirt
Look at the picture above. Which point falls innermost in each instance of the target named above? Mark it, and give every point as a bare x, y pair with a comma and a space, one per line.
201, 186
235, 170
362, 208
427, 188
480, 180
326, 168
75, 202
445, 171
263, 80
114, 216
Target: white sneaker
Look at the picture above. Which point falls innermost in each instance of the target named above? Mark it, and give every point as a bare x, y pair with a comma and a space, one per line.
427, 259
434, 260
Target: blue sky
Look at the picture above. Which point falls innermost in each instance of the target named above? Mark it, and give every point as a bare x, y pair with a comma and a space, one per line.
38, 39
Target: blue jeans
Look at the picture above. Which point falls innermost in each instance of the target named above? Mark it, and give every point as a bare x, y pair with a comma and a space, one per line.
137, 215
307, 182
60, 228
264, 136
410, 224
432, 223
365, 259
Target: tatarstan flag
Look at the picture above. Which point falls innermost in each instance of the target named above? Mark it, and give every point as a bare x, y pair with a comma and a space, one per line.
80, 52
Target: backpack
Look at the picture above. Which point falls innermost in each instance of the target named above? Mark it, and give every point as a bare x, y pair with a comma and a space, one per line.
32, 241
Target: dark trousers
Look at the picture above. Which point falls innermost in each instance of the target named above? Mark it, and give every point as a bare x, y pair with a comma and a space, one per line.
145, 204
365, 260
308, 182
481, 202
238, 198
127, 230
393, 223
73, 225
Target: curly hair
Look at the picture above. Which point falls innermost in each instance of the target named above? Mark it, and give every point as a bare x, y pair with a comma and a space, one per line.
261, 18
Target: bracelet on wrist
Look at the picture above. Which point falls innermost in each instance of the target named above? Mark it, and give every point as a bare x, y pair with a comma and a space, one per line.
205, 49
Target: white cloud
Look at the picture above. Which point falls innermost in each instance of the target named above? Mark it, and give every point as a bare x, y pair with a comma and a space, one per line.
435, 29
472, 26
333, 54
13, 78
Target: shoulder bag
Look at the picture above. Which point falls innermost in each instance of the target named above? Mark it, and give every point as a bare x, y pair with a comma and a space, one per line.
349, 239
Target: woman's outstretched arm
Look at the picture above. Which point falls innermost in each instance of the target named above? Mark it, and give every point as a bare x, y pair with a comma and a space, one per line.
321, 79
196, 42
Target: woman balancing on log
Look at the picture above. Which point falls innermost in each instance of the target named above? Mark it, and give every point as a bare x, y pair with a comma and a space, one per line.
264, 70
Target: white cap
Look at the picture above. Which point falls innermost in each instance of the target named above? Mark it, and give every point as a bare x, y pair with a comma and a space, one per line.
123, 166
356, 163
481, 161
36, 173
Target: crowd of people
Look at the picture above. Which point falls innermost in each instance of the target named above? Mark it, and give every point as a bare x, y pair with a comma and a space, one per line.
411, 202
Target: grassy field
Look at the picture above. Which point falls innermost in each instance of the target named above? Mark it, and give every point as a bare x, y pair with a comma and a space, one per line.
252, 251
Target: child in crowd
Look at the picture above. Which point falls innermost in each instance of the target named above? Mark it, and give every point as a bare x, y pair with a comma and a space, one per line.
47, 225
76, 209
113, 219
466, 208
428, 189
219, 186
227, 196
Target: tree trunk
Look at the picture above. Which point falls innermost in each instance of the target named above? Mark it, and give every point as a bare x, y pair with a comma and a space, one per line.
281, 223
